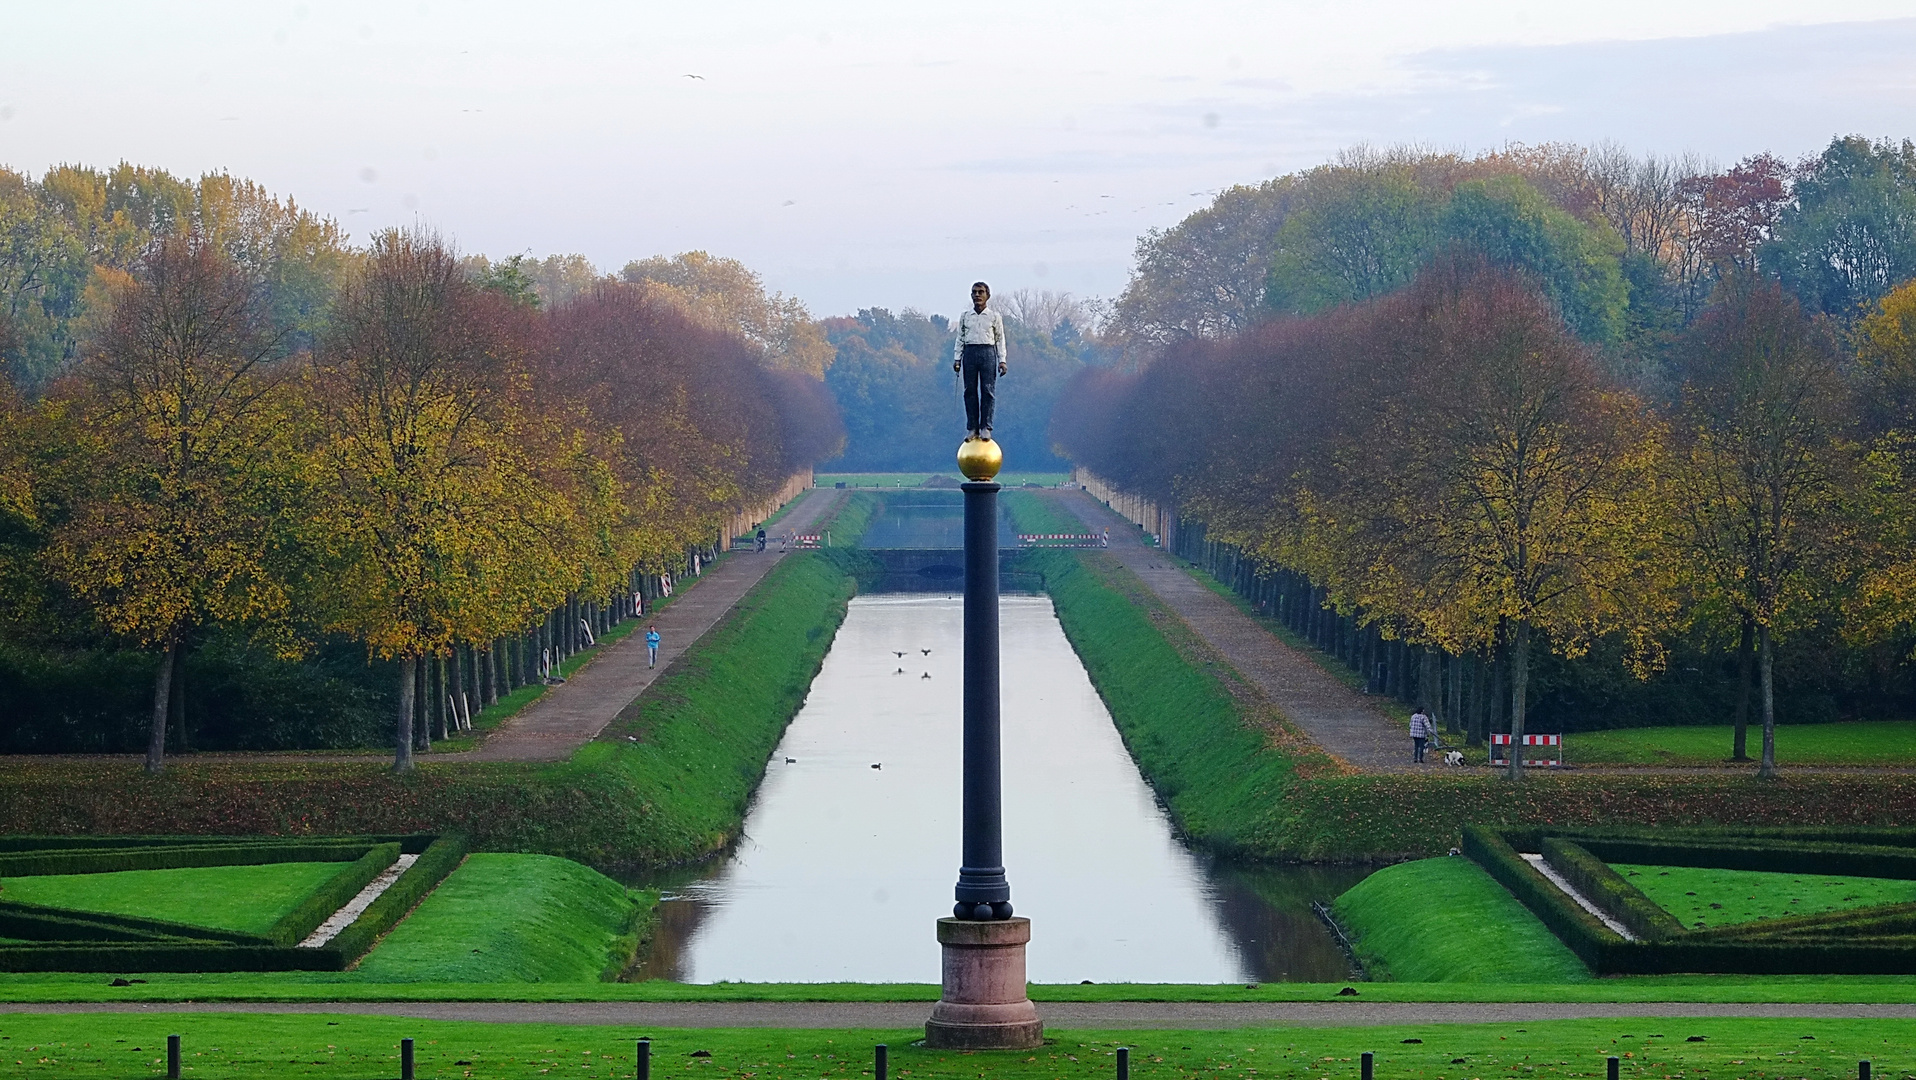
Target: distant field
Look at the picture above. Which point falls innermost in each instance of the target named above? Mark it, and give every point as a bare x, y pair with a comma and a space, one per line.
245, 898
1880, 742
1707, 897
910, 480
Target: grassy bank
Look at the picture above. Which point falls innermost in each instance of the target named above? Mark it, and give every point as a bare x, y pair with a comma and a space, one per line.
219, 1045
1445, 920
511, 918
1217, 754
667, 783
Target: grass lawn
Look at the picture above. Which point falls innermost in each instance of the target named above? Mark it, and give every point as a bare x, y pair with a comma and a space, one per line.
1701, 896
506, 918
216, 1046
1446, 920
1870, 742
245, 898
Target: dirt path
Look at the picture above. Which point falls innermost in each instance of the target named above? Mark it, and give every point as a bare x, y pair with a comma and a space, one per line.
569, 716
1116, 1015
1341, 720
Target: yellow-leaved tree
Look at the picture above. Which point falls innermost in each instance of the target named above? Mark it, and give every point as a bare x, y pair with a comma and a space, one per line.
177, 488
451, 514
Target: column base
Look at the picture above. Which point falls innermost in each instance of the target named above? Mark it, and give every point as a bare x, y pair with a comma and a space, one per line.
984, 1005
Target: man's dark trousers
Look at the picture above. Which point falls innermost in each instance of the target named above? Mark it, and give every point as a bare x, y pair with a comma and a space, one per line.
981, 385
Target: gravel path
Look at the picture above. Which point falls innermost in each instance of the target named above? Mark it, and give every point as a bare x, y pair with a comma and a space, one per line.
569, 716
1341, 720
1117, 1015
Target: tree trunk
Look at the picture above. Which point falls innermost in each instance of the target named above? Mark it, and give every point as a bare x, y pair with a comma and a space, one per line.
1767, 768
402, 742
162, 700
422, 726
1740, 742
176, 696
1519, 683
1479, 723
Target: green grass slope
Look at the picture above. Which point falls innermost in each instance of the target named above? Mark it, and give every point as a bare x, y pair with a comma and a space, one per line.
1701, 896
1873, 742
1445, 920
508, 918
245, 898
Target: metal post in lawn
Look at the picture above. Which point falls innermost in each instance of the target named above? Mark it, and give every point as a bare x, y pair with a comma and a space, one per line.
172, 1057
983, 1005
881, 1062
405, 1059
1611, 1073
645, 1060
1124, 1063
1366, 1066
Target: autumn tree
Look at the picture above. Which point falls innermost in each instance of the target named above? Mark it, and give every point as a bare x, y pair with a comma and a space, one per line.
727, 294
445, 524
179, 488
1759, 476
1500, 482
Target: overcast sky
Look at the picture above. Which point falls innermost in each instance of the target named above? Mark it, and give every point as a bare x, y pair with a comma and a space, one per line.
885, 154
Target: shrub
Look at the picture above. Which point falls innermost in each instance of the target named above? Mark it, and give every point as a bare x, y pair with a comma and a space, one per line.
293, 927
438, 860
1609, 890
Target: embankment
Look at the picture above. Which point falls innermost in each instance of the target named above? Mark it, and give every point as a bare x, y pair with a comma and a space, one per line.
668, 781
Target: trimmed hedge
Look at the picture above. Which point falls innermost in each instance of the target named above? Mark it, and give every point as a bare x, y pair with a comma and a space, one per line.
1784, 857
1761, 952
1583, 932
438, 860
174, 857
33, 922
165, 956
293, 927
1609, 890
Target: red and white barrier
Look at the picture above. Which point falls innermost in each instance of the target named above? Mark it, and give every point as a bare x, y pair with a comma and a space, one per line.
1074, 540
1555, 742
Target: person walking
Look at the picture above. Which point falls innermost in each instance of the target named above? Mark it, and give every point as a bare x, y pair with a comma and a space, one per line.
979, 354
1421, 729
652, 650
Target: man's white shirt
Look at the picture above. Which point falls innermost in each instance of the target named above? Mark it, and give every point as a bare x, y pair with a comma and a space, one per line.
985, 327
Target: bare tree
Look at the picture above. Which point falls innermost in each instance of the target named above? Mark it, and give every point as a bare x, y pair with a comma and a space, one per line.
1047, 310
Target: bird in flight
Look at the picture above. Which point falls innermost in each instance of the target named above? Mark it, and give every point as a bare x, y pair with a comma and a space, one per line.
927, 652
700, 78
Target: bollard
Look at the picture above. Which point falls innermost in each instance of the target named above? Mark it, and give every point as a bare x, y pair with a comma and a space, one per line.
172, 1057
880, 1054
1124, 1063
1614, 1063
1367, 1067
1862, 1070
645, 1060
405, 1059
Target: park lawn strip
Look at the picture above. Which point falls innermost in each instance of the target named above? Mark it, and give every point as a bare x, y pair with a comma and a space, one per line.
1861, 742
349, 986
507, 918
1703, 897
220, 1045
1446, 920
249, 899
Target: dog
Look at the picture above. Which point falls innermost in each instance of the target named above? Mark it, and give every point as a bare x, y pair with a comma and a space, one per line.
1453, 757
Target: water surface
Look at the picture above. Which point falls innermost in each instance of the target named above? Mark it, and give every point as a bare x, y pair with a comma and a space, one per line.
843, 867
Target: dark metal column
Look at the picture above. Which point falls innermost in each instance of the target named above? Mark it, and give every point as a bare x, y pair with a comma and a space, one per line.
983, 893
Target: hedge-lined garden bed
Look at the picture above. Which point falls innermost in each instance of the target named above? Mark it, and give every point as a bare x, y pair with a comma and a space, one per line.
52, 938
1876, 940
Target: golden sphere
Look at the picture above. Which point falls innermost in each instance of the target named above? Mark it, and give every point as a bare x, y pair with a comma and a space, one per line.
980, 459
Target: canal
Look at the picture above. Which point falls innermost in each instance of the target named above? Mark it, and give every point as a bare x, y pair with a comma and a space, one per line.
850, 848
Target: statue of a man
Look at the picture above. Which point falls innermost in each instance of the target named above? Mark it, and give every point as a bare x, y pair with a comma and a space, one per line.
979, 354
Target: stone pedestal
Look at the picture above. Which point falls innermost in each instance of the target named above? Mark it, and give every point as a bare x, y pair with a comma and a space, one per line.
984, 1006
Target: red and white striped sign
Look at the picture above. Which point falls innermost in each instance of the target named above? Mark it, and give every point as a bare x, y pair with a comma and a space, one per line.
1553, 741
1064, 539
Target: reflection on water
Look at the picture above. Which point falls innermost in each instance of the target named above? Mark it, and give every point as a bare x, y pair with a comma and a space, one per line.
927, 519
851, 846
